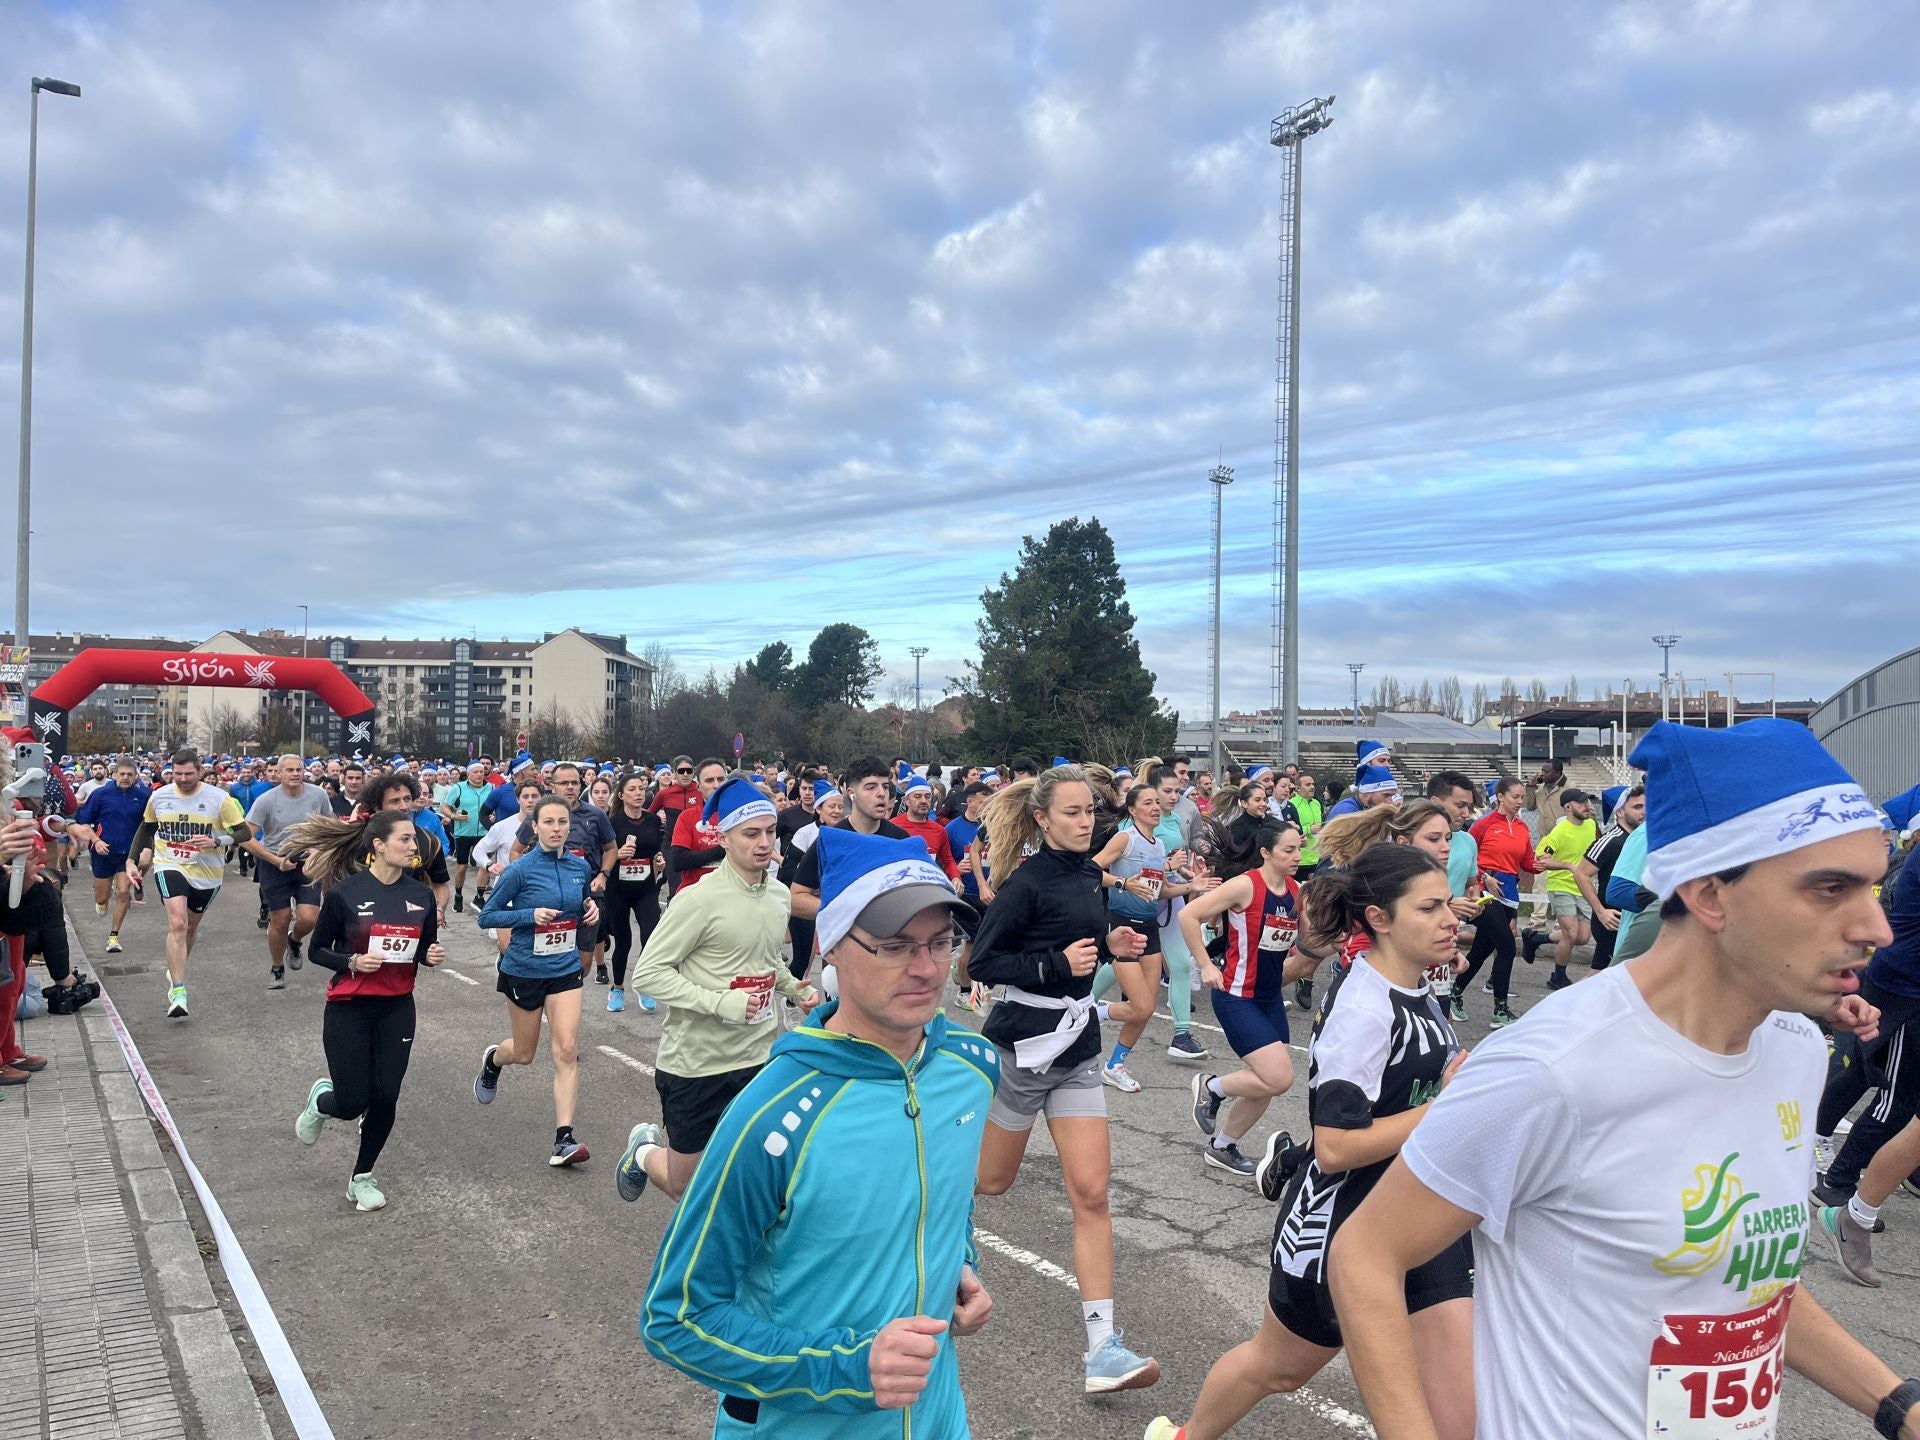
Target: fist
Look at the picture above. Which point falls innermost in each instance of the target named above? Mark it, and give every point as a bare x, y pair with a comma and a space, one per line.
901, 1358
1083, 957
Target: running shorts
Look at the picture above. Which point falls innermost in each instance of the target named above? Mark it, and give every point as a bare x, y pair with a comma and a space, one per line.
105, 867
172, 885
1139, 927
530, 992
1252, 1025
463, 848
1305, 1305
691, 1105
1061, 1094
1562, 905
282, 889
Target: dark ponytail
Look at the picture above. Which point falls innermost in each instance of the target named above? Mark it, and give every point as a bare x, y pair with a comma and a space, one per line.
1335, 902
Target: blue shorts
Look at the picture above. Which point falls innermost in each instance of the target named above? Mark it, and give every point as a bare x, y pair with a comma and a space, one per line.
1251, 1024
105, 867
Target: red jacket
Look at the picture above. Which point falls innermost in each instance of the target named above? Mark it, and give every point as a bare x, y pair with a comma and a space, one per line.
1505, 845
934, 836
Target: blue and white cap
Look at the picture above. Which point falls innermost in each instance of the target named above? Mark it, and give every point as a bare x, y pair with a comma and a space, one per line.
1375, 780
1370, 752
989, 775
1122, 772
1610, 801
877, 883
1259, 772
735, 803
1722, 798
522, 761
1903, 811
902, 773
915, 782
1060, 760
822, 789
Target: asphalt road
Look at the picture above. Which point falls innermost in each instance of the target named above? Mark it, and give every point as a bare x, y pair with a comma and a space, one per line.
497, 1296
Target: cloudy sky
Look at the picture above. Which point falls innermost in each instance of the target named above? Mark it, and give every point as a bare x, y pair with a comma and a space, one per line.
713, 324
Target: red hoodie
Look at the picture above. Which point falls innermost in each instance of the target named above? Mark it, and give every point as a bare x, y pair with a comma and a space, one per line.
1505, 845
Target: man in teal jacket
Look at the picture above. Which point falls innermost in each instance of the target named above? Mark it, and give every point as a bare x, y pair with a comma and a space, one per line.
822, 1260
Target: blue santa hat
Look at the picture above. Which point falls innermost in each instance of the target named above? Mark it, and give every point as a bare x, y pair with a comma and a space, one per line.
1610, 800
735, 803
822, 789
1724, 798
902, 773
989, 775
1060, 760
1370, 752
915, 782
1259, 772
1374, 780
663, 769
880, 884
522, 761
1122, 772
1903, 810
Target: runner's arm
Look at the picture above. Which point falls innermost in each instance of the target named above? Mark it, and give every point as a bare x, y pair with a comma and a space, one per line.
329, 933
657, 972
1399, 1226
690, 1319
1820, 1348
499, 914
996, 961
685, 859
1237, 892
142, 849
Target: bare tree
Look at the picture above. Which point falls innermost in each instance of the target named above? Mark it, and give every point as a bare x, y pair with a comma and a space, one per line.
668, 678
1509, 696
1477, 705
224, 729
1448, 698
1423, 698
1536, 692
1573, 688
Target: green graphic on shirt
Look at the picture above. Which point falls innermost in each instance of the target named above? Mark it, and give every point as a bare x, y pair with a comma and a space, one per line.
1707, 1213
1761, 1247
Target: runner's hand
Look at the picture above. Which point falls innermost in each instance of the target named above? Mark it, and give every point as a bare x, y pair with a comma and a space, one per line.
1858, 1019
1453, 1069
545, 914
1083, 956
592, 913
99, 845
1211, 975
901, 1358
1126, 942
1606, 918
1466, 909
436, 953
626, 846
1135, 886
757, 1001
972, 1306
365, 964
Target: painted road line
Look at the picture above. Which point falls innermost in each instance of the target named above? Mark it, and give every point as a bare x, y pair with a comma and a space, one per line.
1328, 1410
464, 979
625, 1059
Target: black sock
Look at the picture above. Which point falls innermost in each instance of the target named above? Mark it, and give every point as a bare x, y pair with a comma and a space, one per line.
489, 1064
562, 1135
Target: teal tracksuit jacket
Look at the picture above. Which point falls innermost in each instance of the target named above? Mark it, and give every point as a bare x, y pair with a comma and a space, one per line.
835, 1196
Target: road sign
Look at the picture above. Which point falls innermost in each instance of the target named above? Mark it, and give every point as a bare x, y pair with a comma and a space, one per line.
520, 741
739, 744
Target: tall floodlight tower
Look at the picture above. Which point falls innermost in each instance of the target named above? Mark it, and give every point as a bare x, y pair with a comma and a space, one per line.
1666, 644
1288, 132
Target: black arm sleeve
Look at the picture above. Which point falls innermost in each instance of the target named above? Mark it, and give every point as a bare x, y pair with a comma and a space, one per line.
329, 934
998, 958
143, 838
685, 859
436, 866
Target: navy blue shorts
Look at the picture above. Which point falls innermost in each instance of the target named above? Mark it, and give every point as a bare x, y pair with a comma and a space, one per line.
1251, 1024
105, 867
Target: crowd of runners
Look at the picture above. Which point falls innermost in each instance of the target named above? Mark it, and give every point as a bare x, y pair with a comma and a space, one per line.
1595, 1225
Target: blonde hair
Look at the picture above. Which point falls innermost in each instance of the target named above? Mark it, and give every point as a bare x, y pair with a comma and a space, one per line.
1008, 818
1343, 840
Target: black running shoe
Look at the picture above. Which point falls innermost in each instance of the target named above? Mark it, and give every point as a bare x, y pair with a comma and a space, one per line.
600, 976
1303, 994
263, 921
1277, 1165
459, 900
1530, 943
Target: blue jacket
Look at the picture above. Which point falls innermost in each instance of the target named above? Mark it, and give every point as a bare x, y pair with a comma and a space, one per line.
1896, 967
536, 879
115, 814
835, 1196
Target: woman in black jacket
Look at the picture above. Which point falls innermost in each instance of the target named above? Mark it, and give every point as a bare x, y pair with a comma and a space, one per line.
1043, 936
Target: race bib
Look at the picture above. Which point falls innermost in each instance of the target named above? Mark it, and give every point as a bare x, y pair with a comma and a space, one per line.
185, 854
761, 985
1154, 879
1279, 934
393, 944
561, 937
1717, 1377
635, 869
1439, 977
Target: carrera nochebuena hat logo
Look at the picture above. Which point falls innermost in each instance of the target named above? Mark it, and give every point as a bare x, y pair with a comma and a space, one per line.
1829, 810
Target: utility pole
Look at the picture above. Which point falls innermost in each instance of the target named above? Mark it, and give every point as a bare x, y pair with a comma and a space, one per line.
1355, 670
919, 725
1288, 132
302, 693
1220, 477
1666, 644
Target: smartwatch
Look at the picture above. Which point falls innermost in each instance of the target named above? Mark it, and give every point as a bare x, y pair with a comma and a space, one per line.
1892, 1413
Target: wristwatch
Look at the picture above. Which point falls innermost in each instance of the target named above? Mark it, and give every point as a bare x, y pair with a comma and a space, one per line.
1892, 1413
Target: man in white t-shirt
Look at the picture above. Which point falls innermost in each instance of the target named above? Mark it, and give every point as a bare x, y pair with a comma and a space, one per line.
1633, 1159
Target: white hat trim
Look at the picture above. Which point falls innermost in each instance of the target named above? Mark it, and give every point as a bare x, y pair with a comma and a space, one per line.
837, 915
752, 810
1790, 823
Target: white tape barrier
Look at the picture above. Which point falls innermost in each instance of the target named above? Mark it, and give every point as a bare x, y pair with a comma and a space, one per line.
308, 1422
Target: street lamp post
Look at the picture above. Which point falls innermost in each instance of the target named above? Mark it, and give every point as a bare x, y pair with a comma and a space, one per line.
1666, 644
303, 693
20, 632
919, 725
1220, 478
1355, 670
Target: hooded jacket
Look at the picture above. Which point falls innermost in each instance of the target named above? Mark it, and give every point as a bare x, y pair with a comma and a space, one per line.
835, 1196
539, 879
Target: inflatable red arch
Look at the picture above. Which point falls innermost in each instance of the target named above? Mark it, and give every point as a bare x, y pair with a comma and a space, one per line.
73, 682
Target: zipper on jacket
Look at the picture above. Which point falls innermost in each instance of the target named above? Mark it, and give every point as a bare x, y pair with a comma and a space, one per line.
920, 1229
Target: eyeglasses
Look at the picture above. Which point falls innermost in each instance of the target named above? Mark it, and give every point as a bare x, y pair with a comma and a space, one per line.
944, 948
683, 772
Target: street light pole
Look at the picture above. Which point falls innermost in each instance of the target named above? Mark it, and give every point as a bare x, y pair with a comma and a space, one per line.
303, 693
1220, 477
919, 725
1355, 670
20, 632
1666, 644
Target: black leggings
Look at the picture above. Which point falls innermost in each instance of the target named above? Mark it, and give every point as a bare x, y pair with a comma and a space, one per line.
368, 1041
1492, 935
621, 905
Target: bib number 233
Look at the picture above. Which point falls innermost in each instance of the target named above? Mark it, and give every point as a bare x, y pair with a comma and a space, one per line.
1717, 1377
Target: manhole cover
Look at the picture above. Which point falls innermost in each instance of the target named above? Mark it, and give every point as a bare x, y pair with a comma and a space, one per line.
112, 970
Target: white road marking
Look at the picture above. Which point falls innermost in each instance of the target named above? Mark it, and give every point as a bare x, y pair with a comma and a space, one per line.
625, 1059
464, 979
1329, 1410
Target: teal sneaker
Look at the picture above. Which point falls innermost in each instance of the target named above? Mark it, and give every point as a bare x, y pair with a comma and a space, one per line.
365, 1194
630, 1177
312, 1121
176, 1002
1114, 1367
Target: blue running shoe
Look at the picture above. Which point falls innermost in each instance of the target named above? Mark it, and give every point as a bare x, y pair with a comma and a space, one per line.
616, 999
1114, 1367
648, 1004
631, 1175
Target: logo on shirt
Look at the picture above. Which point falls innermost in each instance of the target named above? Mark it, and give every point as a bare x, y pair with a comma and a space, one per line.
412, 908
1724, 1224
365, 906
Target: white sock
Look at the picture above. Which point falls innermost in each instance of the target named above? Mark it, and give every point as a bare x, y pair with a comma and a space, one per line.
1864, 1214
1104, 1011
1221, 1140
1098, 1315
1213, 1088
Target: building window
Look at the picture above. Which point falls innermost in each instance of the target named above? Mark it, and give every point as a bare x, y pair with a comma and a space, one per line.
516, 690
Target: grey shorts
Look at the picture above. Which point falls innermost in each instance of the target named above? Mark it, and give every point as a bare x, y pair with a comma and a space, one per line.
1061, 1094
1562, 905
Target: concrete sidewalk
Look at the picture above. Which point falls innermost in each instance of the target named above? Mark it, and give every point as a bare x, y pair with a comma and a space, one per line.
115, 1328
